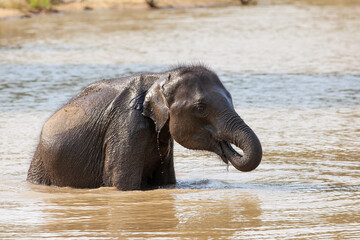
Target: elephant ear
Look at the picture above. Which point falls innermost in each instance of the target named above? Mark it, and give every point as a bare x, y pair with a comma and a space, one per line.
155, 103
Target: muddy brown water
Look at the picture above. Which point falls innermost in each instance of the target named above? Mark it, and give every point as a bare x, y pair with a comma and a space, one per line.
293, 71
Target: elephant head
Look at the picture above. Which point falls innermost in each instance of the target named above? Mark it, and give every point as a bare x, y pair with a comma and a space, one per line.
199, 114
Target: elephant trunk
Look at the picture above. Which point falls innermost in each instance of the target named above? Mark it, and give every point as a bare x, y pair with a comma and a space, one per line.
241, 135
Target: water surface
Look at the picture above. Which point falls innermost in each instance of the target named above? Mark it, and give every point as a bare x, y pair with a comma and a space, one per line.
293, 71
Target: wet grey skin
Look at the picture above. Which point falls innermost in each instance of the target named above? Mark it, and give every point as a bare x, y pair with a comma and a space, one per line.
121, 132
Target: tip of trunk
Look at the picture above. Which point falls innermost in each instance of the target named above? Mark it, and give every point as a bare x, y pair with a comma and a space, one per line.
249, 161
244, 138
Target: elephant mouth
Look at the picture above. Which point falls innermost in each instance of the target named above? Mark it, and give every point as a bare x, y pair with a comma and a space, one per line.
227, 152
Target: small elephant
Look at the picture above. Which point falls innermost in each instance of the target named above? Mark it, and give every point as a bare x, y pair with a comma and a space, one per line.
120, 132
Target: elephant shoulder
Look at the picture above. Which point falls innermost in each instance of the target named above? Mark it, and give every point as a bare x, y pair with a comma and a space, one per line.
125, 112
96, 95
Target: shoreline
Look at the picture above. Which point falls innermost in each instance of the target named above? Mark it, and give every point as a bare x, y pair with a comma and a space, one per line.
89, 5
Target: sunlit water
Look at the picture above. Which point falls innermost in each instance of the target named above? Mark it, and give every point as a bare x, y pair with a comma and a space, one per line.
294, 73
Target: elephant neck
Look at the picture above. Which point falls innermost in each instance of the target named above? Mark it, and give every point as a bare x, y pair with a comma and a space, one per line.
164, 142
163, 137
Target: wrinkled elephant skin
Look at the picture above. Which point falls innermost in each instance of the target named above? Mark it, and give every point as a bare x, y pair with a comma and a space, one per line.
120, 132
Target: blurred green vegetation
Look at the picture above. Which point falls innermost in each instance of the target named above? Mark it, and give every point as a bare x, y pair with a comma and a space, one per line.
28, 5
40, 4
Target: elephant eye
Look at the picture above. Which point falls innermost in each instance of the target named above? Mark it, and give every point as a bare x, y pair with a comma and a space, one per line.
200, 109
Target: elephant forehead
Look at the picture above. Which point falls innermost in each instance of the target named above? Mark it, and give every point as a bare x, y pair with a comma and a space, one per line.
204, 94
194, 88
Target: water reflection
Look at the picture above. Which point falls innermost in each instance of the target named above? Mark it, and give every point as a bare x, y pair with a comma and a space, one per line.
106, 212
218, 213
109, 212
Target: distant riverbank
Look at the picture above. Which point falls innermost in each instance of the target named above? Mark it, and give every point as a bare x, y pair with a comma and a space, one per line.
29, 8
24, 8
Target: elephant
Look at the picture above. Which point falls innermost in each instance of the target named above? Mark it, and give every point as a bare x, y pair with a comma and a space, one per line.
120, 132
